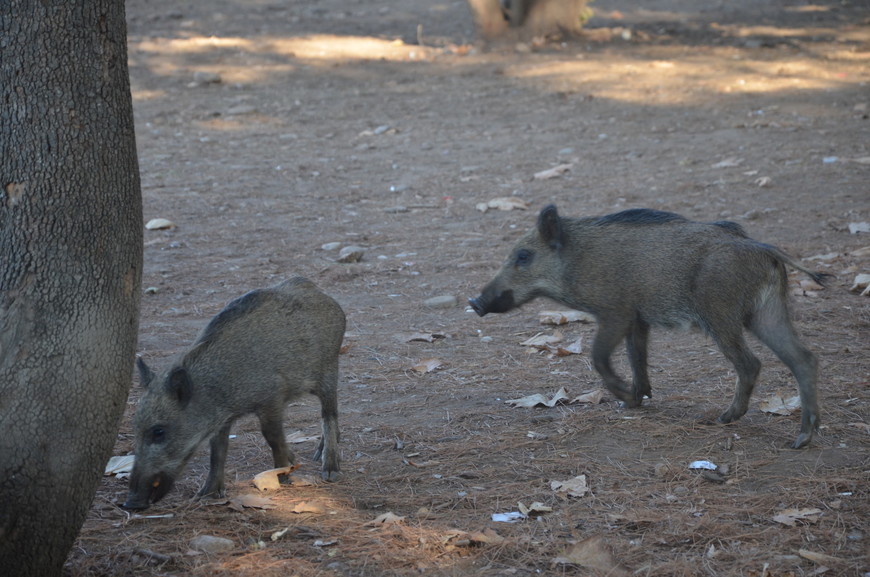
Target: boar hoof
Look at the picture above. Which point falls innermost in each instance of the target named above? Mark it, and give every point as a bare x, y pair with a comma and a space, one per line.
802, 440
731, 415
220, 493
330, 476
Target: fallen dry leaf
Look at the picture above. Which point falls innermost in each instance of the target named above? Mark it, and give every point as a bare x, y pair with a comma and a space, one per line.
487, 537
593, 553
574, 348
564, 317
422, 464
811, 285
554, 172
388, 518
542, 340
576, 487
790, 517
268, 480
861, 427
819, 557
539, 399
862, 283
503, 203
121, 466
310, 507
779, 405
592, 397
300, 437
536, 509
730, 162
427, 366
251, 501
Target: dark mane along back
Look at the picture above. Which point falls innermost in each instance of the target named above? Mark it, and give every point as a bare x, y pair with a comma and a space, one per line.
639, 216
731, 227
234, 309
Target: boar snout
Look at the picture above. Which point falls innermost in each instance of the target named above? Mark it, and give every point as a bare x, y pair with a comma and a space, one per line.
491, 301
143, 492
477, 306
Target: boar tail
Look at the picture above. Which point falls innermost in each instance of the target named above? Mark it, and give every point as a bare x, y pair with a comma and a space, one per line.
819, 277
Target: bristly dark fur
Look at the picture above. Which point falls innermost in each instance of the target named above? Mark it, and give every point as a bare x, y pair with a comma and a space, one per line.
640, 216
236, 308
732, 226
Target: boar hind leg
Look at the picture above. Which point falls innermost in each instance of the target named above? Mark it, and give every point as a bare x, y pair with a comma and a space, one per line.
272, 426
606, 340
214, 483
636, 344
746, 365
327, 451
773, 327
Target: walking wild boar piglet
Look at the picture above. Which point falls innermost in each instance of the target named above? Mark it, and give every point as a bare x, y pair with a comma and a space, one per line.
262, 350
640, 268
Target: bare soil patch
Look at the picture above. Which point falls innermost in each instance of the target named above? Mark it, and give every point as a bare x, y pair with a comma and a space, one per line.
333, 123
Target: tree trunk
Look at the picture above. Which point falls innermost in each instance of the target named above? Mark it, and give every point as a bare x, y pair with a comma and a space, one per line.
70, 267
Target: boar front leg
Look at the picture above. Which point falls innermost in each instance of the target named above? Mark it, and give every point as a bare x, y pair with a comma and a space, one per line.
608, 337
636, 345
272, 427
214, 483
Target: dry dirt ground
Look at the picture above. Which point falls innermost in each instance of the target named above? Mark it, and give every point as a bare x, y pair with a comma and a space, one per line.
383, 125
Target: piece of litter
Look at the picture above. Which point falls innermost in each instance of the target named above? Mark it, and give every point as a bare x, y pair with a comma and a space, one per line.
511, 517
703, 465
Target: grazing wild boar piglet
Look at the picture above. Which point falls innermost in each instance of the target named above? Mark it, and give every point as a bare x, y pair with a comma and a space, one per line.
640, 268
264, 349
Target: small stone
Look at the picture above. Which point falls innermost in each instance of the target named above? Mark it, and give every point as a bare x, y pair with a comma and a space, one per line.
350, 254
440, 302
211, 544
331, 246
159, 224
206, 77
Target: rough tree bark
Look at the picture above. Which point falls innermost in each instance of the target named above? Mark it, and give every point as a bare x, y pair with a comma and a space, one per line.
70, 267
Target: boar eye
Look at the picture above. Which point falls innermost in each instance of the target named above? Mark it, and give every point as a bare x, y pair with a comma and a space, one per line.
523, 258
157, 434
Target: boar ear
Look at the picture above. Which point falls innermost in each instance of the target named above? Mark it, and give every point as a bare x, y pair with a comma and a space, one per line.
550, 227
146, 375
179, 386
